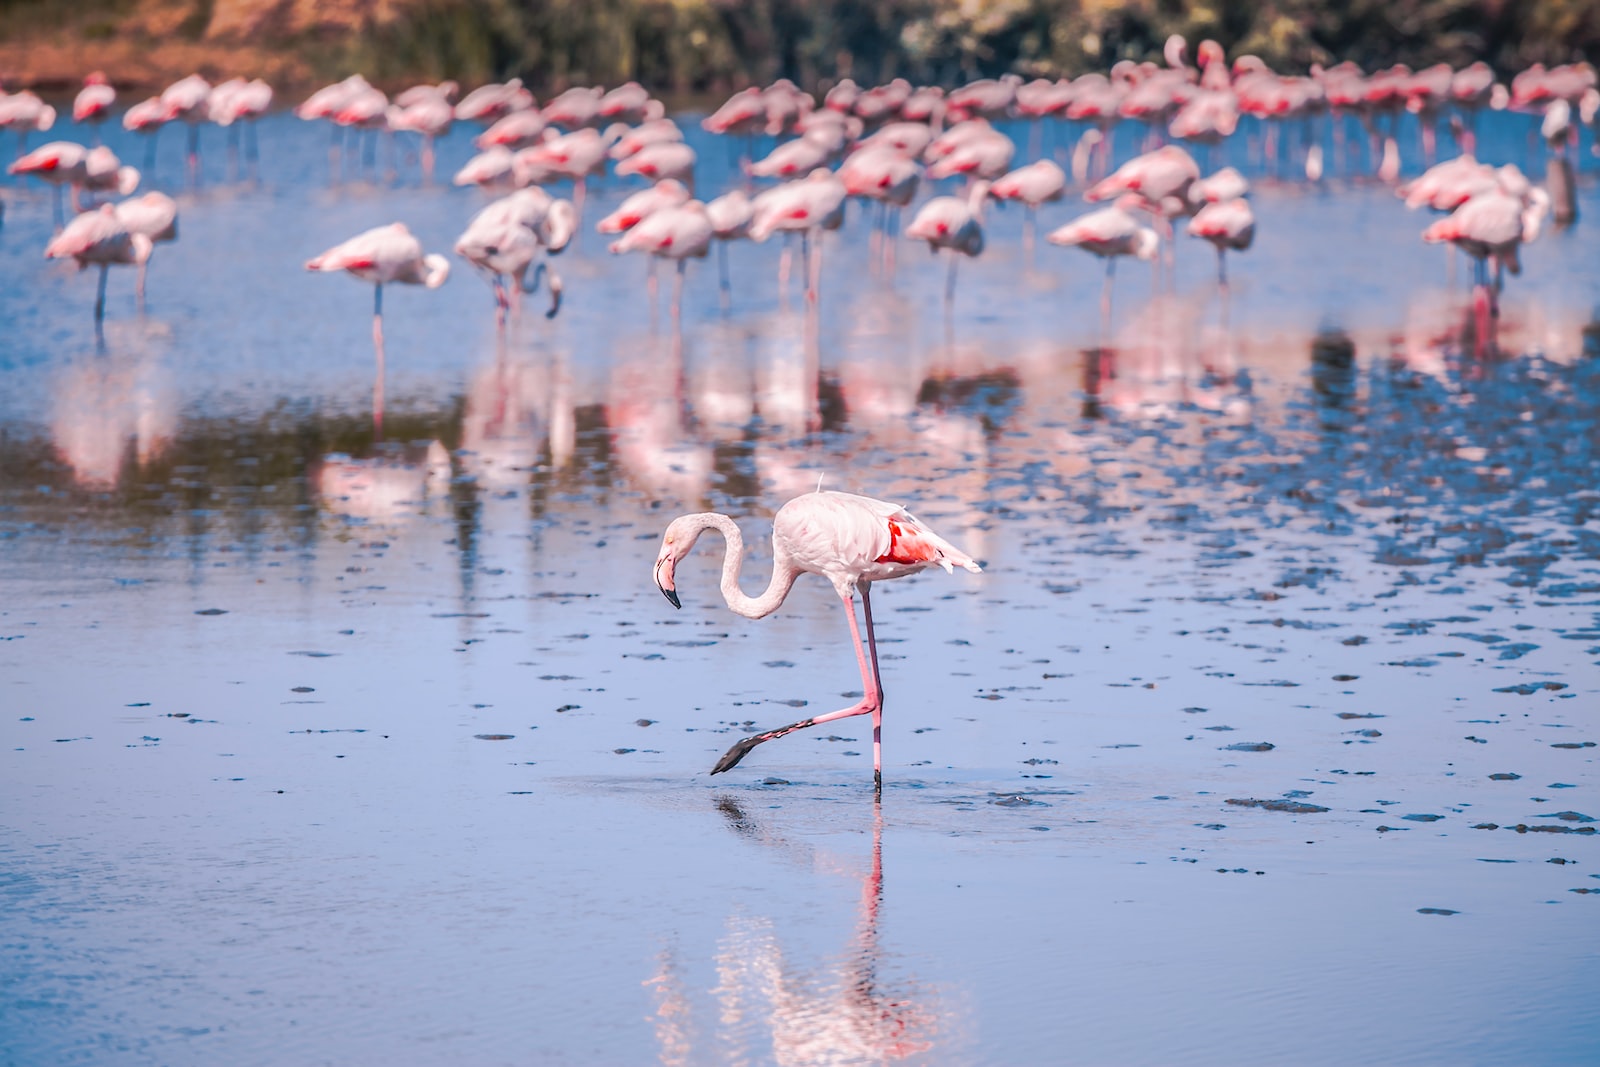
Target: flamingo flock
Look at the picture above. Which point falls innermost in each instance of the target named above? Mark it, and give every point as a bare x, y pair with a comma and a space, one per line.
887, 147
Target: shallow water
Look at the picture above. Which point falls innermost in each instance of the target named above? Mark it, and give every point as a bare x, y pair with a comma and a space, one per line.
316, 747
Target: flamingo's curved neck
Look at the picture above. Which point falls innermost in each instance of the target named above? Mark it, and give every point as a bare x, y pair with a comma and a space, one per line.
783, 575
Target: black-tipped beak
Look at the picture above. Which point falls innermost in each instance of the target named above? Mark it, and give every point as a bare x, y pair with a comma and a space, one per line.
672, 596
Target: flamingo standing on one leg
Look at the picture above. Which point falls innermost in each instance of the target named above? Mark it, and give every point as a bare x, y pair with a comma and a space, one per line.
99, 237
675, 233
1228, 224
155, 215
92, 105
1109, 233
1034, 184
954, 225
504, 238
59, 163
850, 540
187, 99
381, 255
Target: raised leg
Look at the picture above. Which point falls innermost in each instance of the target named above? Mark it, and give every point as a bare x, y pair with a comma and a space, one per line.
871, 701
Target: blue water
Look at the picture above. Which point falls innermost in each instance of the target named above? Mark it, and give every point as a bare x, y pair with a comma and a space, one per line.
318, 745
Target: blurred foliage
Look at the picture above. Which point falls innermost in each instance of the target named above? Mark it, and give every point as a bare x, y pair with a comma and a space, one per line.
715, 45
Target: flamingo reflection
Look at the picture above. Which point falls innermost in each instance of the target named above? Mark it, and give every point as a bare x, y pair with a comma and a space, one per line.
113, 413
846, 1012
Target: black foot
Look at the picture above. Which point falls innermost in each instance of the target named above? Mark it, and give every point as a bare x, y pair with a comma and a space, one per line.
730, 759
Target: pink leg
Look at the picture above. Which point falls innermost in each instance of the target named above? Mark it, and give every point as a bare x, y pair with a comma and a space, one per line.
877, 686
871, 701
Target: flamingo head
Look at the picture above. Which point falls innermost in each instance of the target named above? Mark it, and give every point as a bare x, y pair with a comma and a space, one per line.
559, 225
438, 269
676, 543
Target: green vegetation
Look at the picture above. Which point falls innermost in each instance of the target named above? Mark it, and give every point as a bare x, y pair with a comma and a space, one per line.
713, 45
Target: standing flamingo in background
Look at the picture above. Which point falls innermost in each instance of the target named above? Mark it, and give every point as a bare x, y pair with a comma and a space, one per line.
1034, 184
730, 215
382, 255
675, 233
92, 106
954, 225
186, 99
850, 540
428, 114
59, 163
100, 238
236, 103
1109, 233
503, 239
1226, 224
155, 215
886, 173
806, 206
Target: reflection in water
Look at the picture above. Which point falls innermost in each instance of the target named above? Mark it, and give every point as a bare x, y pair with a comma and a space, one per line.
852, 1010
114, 412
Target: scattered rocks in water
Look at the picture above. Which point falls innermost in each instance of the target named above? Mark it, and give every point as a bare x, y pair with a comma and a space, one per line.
1018, 801
1367, 733
1392, 829
1356, 640
302, 689
1505, 776
1476, 740
1530, 688
794, 703
1359, 715
1422, 818
775, 781
644, 722
1567, 816
1573, 744
623, 751
1346, 677
1437, 911
494, 737
1524, 828
778, 663
568, 707
211, 611
314, 655
1037, 762
1516, 650
1293, 807
1248, 746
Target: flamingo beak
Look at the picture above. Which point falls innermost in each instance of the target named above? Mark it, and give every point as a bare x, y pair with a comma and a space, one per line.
664, 581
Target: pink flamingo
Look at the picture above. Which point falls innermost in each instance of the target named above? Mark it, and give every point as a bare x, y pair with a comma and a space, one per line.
663, 194
504, 238
1161, 180
186, 99
912, 138
630, 102
1038, 100
103, 172
519, 129
59, 163
1471, 89
383, 255
154, 215
730, 215
237, 102
676, 233
806, 206
842, 97
1109, 233
1226, 224
24, 112
991, 98
99, 238
575, 155
986, 155
665, 159
429, 116
800, 156
490, 169
1491, 227
1037, 183
926, 104
92, 106
954, 225
882, 103
574, 109
850, 540
656, 131
489, 103
883, 172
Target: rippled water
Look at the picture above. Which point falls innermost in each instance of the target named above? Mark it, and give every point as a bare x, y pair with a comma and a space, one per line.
1266, 736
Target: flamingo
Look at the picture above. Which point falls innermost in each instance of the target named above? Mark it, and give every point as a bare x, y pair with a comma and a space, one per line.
1471, 88
800, 156
23, 112
58, 163
1491, 226
103, 172
323, 104
1034, 184
954, 225
664, 159
667, 193
730, 215
1109, 233
806, 206
488, 103
575, 155
155, 215
503, 239
490, 169
429, 115
676, 233
882, 103
656, 131
986, 155
883, 172
912, 138
842, 97
186, 99
630, 102
383, 255
518, 129
92, 105
574, 109
100, 238
850, 540
1226, 224
239, 101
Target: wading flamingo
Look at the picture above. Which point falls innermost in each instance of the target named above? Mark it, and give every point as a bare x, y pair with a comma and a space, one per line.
850, 540
100, 238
